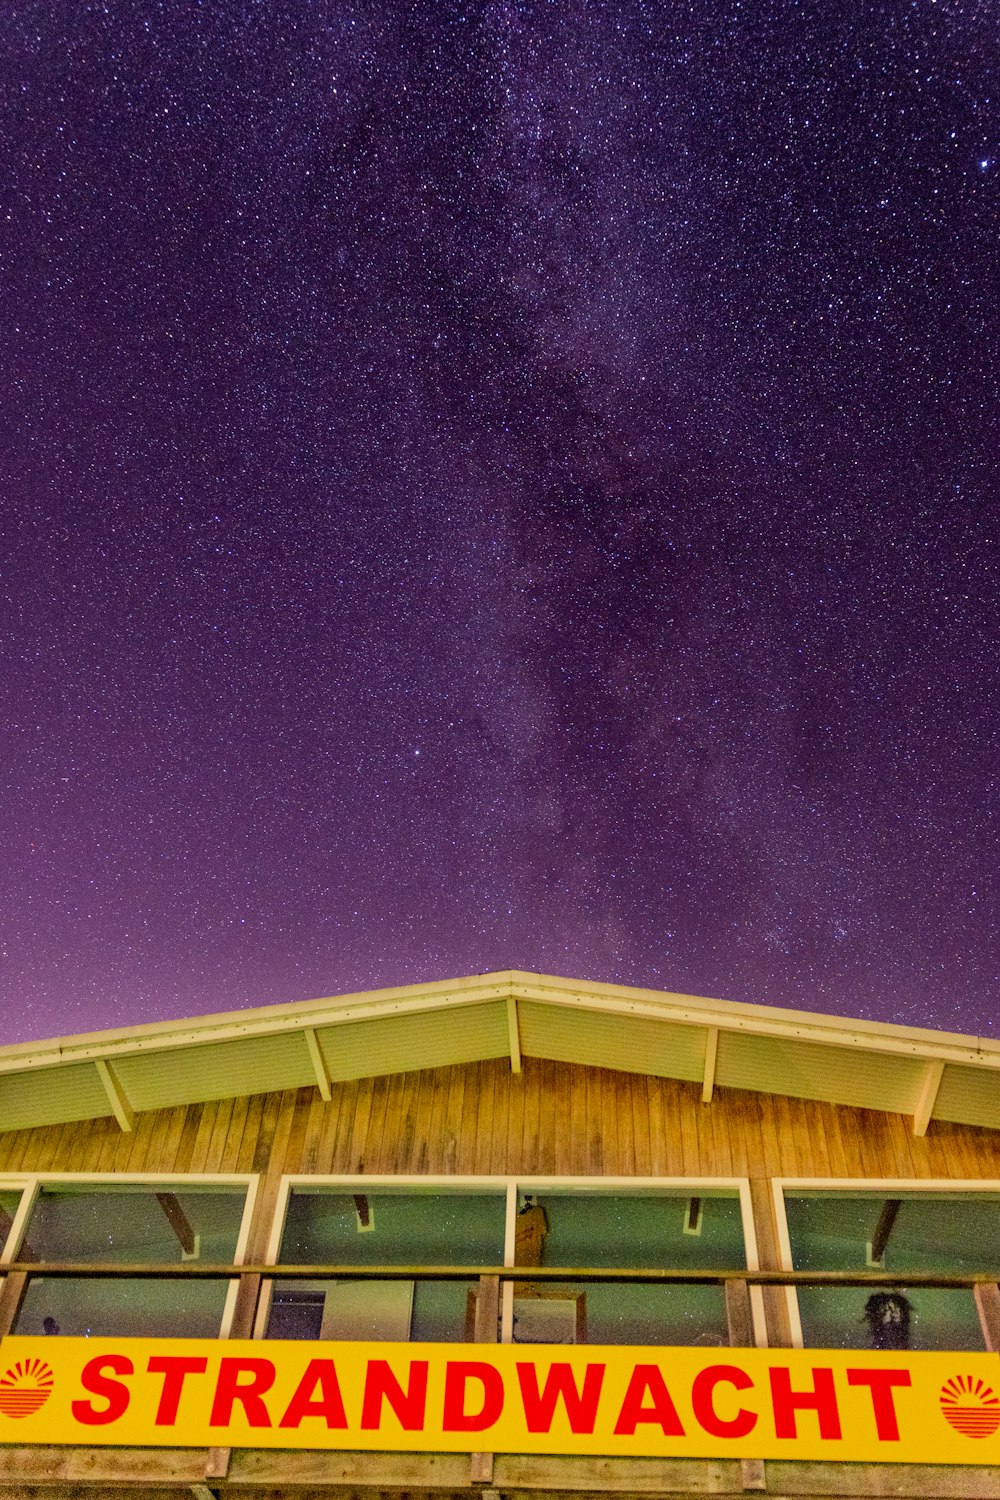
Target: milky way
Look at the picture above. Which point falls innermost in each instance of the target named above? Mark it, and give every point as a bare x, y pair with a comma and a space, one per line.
502, 485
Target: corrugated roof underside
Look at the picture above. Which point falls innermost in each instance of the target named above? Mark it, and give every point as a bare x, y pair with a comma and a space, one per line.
810, 1070
52, 1096
216, 1070
630, 1044
969, 1096
404, 1043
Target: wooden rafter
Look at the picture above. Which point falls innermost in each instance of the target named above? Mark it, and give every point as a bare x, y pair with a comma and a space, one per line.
178, 1221
883, 1229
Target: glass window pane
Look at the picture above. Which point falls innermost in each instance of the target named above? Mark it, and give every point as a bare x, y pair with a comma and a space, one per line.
626, 1230
122, 1307
914, 1232
929, 1232
135, 1223
393, 1229
130, 1224
333, 1227
640, 1230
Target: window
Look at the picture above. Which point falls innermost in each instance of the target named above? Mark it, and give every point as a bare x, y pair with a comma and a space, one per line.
406, 1227
897, 1229
697, 1228
137, 1223
489, 1223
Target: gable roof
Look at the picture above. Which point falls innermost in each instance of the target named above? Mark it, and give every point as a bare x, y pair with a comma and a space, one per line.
929, 1075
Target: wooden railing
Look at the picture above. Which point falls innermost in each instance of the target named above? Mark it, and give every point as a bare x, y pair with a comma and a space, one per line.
736, 1285
644, 1275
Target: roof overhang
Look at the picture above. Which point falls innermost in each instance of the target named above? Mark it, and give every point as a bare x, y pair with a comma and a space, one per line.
928, 1075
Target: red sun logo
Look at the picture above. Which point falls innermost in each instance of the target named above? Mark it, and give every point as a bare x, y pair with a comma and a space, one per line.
25, 1387
971, 1406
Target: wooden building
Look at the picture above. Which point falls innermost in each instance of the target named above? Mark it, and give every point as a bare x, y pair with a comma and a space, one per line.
789, 1165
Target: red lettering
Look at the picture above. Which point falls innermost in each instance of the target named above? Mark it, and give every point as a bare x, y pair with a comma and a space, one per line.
458, 1373
93, 1379
329, 1405
703, 1401
408, 1406
880, 1384
540, 1406
647, 1380
822, 1399
249, 1393
173, 1368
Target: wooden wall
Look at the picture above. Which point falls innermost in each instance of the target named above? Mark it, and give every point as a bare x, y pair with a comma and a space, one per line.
553, 1118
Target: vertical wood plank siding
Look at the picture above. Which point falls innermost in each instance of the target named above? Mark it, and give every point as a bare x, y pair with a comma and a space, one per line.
552, 1118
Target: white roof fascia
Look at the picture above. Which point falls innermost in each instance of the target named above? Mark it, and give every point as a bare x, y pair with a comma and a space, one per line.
669, 1008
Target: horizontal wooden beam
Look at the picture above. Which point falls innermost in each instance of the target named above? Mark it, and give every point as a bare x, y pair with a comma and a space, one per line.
641, 1275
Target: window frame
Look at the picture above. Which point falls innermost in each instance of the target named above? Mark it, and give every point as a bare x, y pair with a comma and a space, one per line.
31, 1183
510, 1186
956, 1187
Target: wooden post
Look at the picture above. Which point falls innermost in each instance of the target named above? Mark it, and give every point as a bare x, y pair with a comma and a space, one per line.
15, 1284
739, 1320
241, 1327
487, 1316
987, 1295
773, 1299
280, 1155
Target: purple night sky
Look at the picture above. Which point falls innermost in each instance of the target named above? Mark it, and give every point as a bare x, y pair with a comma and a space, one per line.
499, 485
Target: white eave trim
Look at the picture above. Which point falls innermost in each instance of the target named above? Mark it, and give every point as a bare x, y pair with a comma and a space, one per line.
509, 990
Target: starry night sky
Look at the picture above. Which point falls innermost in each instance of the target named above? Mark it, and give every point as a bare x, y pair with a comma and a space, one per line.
499, 485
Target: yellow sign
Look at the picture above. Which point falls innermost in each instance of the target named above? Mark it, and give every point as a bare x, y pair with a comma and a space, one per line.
625, 1402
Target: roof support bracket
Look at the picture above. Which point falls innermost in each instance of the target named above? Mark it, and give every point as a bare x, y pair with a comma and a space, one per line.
180, 1224
711, 1054
117, 1097
514, 1033
319, 1066
883, 1229
928, 1096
